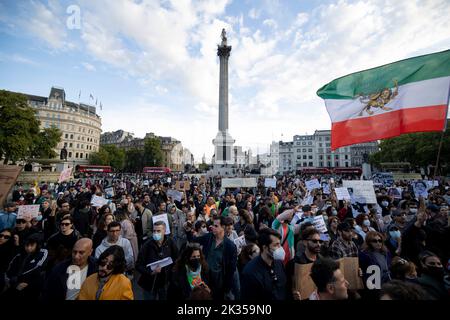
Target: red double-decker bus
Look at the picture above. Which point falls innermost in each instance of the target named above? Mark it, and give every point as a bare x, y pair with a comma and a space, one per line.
160, 170
348, 170
315, 171
93, 169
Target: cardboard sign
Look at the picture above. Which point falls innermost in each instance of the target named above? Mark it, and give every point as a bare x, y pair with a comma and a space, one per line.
8, 177
270, 183
319, 224
97, 201
163, 218
175, 195
312, 184
28, 212
363, 191
160, 263
239, 183
350, 268
303, 282
342, 193
183, 185
65, 175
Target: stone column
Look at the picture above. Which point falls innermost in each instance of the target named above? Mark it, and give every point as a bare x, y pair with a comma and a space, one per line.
223, 51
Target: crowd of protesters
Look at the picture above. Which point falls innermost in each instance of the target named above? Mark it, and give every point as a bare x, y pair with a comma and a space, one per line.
76, 250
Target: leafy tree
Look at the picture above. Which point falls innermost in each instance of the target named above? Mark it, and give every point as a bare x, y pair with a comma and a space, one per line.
134, 160
45, 142
109, 155
18, 126
419, 149
153, 155
100, 158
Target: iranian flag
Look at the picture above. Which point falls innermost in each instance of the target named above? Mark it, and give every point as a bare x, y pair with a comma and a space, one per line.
401, 97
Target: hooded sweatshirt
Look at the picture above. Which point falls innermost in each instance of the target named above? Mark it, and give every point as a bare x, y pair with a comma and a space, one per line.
122, 242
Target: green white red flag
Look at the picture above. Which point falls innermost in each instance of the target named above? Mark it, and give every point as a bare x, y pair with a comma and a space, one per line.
406, 96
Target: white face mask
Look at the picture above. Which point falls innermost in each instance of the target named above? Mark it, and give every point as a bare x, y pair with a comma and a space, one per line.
413, 210
278, 254
384, 203
205, 230
366, 223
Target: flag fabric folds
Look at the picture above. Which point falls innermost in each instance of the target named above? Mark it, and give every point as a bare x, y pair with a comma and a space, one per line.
406, 96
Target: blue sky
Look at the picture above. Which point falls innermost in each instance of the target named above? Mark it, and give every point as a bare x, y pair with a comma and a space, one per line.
153, 64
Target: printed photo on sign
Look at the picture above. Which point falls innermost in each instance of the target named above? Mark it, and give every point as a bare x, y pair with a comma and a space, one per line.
360, 191
342, 193
163, 218
312, 184
270, 183
420, 189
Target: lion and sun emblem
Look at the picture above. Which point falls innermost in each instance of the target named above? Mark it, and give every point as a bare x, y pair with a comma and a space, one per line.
378, 100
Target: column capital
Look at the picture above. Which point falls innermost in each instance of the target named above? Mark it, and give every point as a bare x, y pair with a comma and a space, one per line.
223, 51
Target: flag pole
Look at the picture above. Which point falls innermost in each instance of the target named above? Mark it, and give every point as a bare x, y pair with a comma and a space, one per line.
442, 137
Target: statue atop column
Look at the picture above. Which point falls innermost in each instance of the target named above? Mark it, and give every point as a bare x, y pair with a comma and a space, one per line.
224, 38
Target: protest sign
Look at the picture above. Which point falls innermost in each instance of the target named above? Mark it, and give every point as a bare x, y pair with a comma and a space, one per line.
363, 191
97, 201
28, 212
145, 182
420, 189
298, 216
160, 263
239, 183
8, 177
350, 268
319, 224
312, 184
65, 175
326, 188
395, 192
303, 282
109, 192
270, 183
183, 185
162, 217
175, 195
342, 194
169, 179
240, 243
406, 176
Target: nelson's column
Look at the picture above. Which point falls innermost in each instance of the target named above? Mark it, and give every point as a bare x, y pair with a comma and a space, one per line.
223, 143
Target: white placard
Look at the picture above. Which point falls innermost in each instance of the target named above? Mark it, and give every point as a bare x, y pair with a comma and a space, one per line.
396, 192
162, 217
175, 195
270, 183
97, 201
239, 183
342, 193
319, 224
145, 182
298, 216
326, 188
160, 263
240, 242
169, 179
363, 191
28, 212
312, 184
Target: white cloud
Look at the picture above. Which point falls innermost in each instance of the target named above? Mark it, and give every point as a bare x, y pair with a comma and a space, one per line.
21, 59
88, 66
171, 46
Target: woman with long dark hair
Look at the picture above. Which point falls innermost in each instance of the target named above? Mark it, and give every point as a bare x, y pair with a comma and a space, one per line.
190, 271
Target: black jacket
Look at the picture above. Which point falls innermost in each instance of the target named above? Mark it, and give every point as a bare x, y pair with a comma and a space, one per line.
55, 287
259, 284
82, 221
229, 259
28, 269
151, 252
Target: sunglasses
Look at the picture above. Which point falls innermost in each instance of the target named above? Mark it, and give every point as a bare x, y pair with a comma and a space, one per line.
108, 265
20, 221
65, 224
5, 236
377, 241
